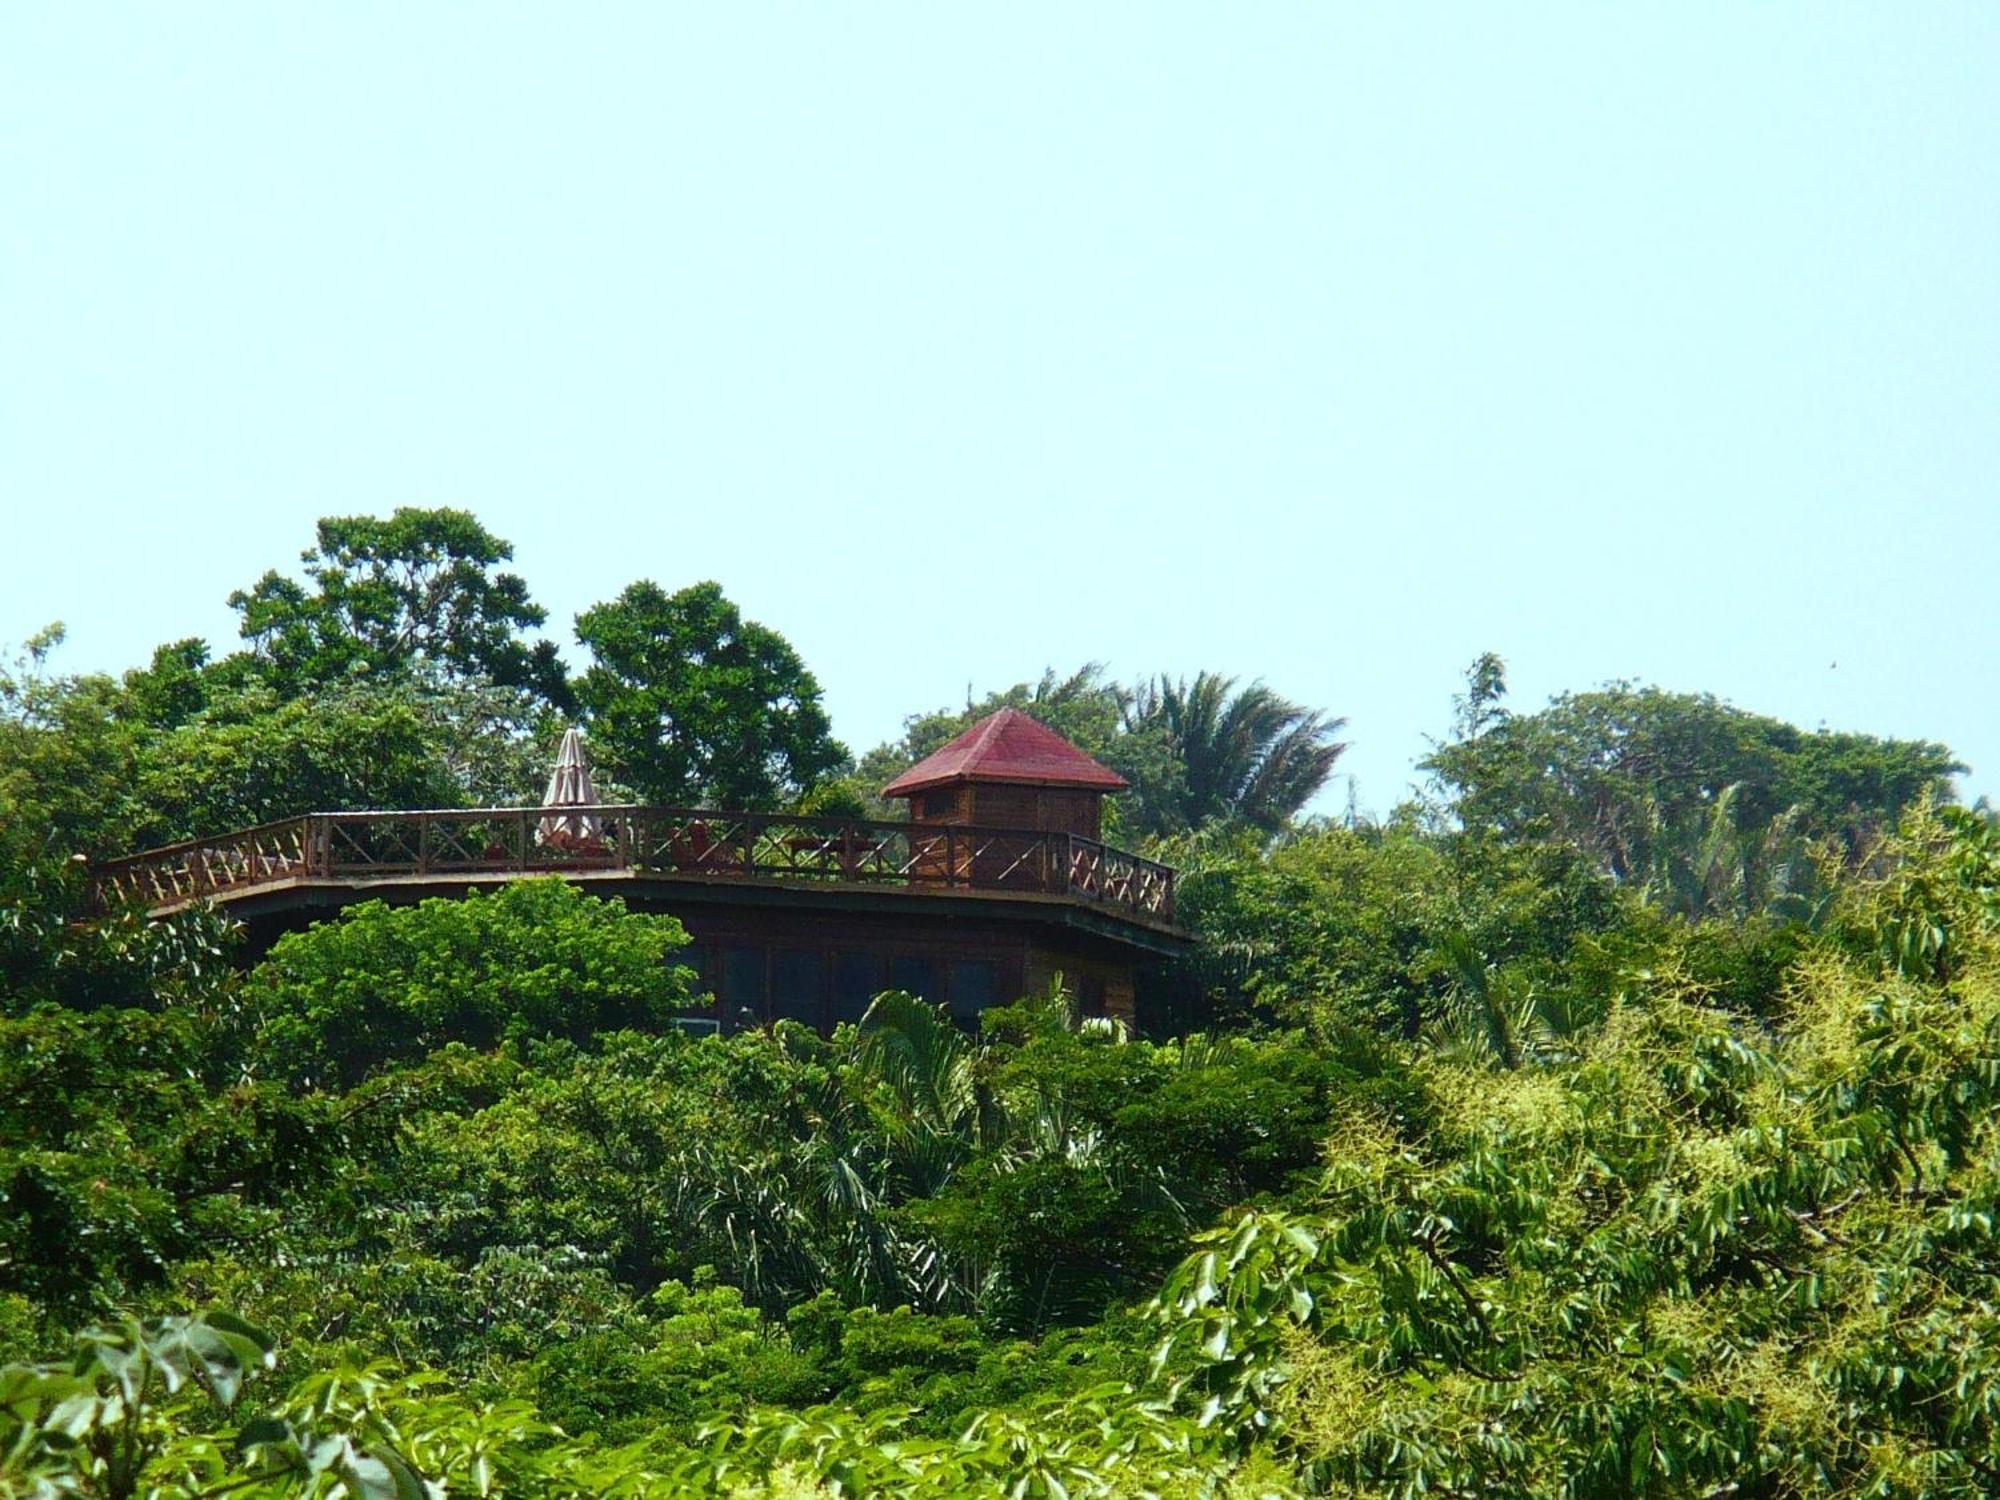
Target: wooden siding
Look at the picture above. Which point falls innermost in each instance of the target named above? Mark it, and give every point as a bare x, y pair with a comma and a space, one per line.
765, 965
999, 804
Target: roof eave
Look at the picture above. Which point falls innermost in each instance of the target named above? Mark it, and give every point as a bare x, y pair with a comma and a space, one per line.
902, 788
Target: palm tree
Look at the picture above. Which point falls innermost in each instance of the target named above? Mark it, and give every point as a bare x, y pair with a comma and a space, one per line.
815, 1208
1495, 1015
938, 1109
1720, 866
1248, 755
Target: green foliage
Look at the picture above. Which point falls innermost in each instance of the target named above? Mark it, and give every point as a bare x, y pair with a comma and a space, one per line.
256, 760
690, 1356
1376, 926
159, 1408
1625, 1126
87, 765
124, 1149
1705, 806
155, 1408
57, 946
689, 701
1939, 891
534, 958
387, 597
106, 1422
1697, 1256
66, 759
1243, 755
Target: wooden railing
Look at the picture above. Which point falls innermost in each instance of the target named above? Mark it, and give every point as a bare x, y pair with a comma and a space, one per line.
666, 840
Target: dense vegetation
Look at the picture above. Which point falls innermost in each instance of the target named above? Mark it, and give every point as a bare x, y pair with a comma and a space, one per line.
1620, 1119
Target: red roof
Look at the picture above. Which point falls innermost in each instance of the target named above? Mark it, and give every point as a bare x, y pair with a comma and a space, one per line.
1007, 746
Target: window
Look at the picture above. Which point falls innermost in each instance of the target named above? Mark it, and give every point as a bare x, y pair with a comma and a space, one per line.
938, 804
1090, 995
741, 991
701, 960
917, 975
795, 986
975, 986
857, 979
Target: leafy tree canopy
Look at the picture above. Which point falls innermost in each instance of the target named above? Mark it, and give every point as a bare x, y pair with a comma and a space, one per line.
1678, 794
1698, 1257
534, 958
1377, 927
389, 596
689, 702
1623, 1124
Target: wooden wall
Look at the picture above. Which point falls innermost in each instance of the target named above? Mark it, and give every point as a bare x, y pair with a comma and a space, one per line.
996, 804
768, 964
1102, 987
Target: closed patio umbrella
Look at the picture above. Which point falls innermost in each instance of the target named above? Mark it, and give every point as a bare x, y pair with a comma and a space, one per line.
569, 786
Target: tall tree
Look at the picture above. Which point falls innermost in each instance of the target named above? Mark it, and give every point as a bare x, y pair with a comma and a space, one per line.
1245, 754
1700, 802
419, 589
691, 702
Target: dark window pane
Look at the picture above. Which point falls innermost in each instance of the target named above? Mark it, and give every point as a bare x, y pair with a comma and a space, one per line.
700, 959
975, 986
857, 979
795, 986
1090, 995
742, 990
917, 975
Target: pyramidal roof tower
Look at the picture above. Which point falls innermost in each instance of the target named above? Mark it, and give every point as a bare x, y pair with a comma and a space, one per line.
1009, 771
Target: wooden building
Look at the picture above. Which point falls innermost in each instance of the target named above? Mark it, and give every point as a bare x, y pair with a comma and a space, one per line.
997, 882
1009, 771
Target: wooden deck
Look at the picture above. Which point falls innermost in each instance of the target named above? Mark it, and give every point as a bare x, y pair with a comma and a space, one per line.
596, 845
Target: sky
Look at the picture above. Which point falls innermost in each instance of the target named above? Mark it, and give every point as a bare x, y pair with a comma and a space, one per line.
1324, 344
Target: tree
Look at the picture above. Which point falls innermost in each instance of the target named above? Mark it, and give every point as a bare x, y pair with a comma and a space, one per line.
1695, 1257
690, 702
535, 958
1359, 926
67, 757
388, 596
252, 757
1701, 804
256, 760
1248, 755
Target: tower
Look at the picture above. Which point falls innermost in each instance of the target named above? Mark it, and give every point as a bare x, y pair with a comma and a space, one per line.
1008, 771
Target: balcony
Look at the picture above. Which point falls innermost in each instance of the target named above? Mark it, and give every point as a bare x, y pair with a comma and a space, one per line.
357, 849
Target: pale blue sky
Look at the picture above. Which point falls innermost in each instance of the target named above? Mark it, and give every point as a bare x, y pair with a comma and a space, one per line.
1306, 342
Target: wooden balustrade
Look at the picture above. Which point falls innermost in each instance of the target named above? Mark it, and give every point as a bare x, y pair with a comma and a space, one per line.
777, 847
